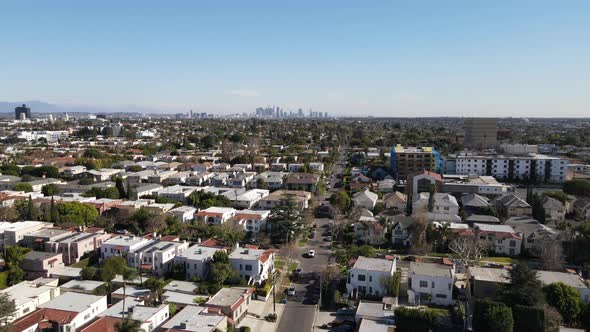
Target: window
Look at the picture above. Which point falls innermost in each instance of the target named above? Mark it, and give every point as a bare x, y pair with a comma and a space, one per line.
370, 279
433, 284
361, 277
370, 290
512, 243
441, 296
449, 286
248, 267
423, 284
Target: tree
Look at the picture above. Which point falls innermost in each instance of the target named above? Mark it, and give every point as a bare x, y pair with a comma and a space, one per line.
156, 286
120, 187
285, 221
577, 187
111, 193
128, 274
220, 271
128, 325
7, 308
565, 299
31, 212
111, 267
50, 189
415, 320
489, 316
552, 319
14, 256
524, 288
88, 273
77, 213
53, 212
467, 249
392, 283
341, 201
23, 186
528, 318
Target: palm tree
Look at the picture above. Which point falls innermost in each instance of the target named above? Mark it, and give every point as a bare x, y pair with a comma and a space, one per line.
128, 274
128, 325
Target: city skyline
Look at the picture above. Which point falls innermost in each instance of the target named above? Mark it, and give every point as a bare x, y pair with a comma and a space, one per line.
344, 58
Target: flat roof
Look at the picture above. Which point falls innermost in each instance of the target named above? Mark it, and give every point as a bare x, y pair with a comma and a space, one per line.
181, 298
430, 269
198, 252
34, 255
181, 286
571, 279
75, 302
373, 264
116, 309
87, 285
125, 240
227, 296
489, 274
194, 319
26, 291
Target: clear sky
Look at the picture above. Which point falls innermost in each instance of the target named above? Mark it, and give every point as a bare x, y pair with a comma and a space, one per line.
382, 58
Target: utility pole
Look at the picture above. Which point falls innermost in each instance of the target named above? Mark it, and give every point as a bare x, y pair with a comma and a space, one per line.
274, 302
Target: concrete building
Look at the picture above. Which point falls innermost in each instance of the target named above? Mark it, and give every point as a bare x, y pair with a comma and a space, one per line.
254, 265
365, 277
232, 302
22, 112
38, 264
156, 257
121, 245
410, 160
183, 213
196, 319
431, 281
196, 260
215, 215
74, 246
480, 133
29, 295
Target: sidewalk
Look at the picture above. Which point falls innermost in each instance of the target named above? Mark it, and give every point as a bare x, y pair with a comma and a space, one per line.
261, 309
321, 318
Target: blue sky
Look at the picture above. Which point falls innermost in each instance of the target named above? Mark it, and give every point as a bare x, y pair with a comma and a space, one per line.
382, 58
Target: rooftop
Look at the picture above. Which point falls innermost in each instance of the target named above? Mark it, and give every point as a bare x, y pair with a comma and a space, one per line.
489, 274
374, 264
181, 286
431, 269
86, 285
571, 279
229, 296
35, 255
74, 302
125, 240
117, 309
193, 319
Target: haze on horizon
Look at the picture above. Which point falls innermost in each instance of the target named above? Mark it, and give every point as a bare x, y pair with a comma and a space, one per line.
382, 58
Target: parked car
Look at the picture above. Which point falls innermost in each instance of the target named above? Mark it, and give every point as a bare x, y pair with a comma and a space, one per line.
291, 291
324, 211
311, 253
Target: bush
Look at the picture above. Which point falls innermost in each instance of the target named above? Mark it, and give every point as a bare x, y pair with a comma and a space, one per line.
528, 318
415, 320
4, 279
490, 316
577, 187
245, 329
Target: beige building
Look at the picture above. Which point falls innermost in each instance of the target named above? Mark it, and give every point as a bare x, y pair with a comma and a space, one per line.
480, 133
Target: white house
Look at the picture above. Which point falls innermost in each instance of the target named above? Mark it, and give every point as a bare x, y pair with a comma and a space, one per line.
196, 319
252, 220
67, 312
196, 260
365, 277
215, 215
29, 295
365, 199
156, 256
121, 245
184, 213
431, 282
254, 265
249, 198
442, 204
74, 171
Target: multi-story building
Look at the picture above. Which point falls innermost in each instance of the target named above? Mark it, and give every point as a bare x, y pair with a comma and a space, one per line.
410, 160
254, 265
431, 282
366, 276
29, 295
38, 239
500, 239
183, 213
121, 245
252, 221
232, 302
39, 264
534, 167
12, 234
156, 256
76, 245
480, 133
215, 215
196, 260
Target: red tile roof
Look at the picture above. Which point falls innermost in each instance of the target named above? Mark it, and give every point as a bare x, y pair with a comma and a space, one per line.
212, 243
44, 315
265, 256
103, 324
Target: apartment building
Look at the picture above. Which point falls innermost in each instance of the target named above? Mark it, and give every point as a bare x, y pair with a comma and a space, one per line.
232, 302
12, 234
39, 264
215, 215
29, 295
431, 282
74, 246
121, 245
156, 256
254, 265
365, 277
196, 260
405, 161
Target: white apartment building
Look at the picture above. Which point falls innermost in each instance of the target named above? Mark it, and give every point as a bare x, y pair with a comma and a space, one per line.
254, 265
12, 233
184, 213
29, 295
530, 166
431, 282
49, 136
121, 245
73, 171
216, 215
252, 220
156, 256
176, 193
365, 277
196, 260
249, 198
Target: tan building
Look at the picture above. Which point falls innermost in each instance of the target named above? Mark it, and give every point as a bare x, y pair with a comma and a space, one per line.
411, 160
480, 133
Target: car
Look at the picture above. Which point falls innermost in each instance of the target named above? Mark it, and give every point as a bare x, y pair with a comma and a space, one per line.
291, 291
121, 231
311, 253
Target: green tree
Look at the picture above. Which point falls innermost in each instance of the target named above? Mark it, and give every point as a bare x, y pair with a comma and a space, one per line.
77, 213
111, 267
286, 221
341, 201
220, 271
156, 286
111, 193
14, 256
415, 320
489, 316
577, 187
50, 189
23, 186
565, 299
89, 273
525, 287
528, 318
120, 187
391, 284
7, 308
53, 212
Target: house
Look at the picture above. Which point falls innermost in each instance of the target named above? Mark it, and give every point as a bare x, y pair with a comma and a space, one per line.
366, 275
150, 318
302, 181
475, 204
176, 193
277, 167
183, 213
316, 167
29, 295
512, 206
76, 245
37, 240
386, 186
377, 312
253, 221
249, 198
538, 238
68, 312
121, 245
442, 203
431, 282
281, 197
369, 230
219, 180
136, 292
484, 282
232, 302
156, 256
215, 215
196, 261
178, 178
160, 177
268, 180
365, 199
39, 264
500, 239
13, 234
568, 278
254, 265
142, 190
159, 208
395, 200
424, 182
74, 171
103, 174
554, 209
581, 208
401, 230
37, 185
196, 319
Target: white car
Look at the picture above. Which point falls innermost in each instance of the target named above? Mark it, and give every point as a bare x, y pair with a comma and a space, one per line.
311, 253
291, 291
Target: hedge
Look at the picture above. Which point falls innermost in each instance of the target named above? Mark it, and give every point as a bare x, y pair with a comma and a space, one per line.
528, 318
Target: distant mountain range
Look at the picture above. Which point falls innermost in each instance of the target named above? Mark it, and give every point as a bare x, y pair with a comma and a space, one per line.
44, 107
